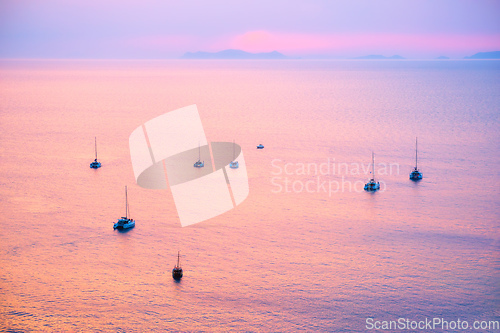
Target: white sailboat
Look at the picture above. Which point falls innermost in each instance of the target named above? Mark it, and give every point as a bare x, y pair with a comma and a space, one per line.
372, 186
234, 164
199, 163
95, 164
125, 222
415, 174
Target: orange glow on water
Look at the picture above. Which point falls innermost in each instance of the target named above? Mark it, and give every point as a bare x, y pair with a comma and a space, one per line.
280, 261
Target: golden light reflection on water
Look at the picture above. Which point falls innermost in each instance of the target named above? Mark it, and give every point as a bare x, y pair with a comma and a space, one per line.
279, 261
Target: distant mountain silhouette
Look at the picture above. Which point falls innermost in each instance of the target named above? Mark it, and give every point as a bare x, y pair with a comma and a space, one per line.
443, 58
379, 57
233, 54
485, 55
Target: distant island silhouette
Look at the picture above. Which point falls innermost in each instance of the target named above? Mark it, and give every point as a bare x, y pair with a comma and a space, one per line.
379, 57
485, 55
233, 54
240, 54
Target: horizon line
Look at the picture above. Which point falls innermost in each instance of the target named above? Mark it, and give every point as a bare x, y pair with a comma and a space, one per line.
285, 59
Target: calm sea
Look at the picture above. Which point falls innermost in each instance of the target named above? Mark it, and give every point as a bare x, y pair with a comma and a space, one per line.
308, 250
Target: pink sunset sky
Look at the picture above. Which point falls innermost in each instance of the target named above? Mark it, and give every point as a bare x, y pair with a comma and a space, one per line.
160, 29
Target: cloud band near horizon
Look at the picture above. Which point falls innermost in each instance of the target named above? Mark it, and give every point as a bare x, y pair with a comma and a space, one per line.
349, 44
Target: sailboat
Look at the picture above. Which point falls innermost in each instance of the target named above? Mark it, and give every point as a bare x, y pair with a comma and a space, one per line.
372, 186
260, 146
177, 271
125, 222
415, 174
95, 164
199, 163
234, 164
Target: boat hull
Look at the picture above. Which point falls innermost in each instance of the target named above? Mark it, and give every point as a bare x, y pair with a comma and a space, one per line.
95, 165
177, 273
121, 224
123, 227
416, 175
372, 186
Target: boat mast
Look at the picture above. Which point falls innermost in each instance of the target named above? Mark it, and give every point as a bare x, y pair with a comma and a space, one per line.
233, 150
416, 145
95, 140
126, 203
199, 151
178, 258
373, 165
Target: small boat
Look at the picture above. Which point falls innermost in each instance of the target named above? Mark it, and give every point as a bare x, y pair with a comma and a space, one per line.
177, 271
125, 222
95, 164
415, 174
234, 164
372, 186
260, 147
199, 163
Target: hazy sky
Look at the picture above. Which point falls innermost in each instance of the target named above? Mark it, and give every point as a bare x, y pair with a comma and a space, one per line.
167, 29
